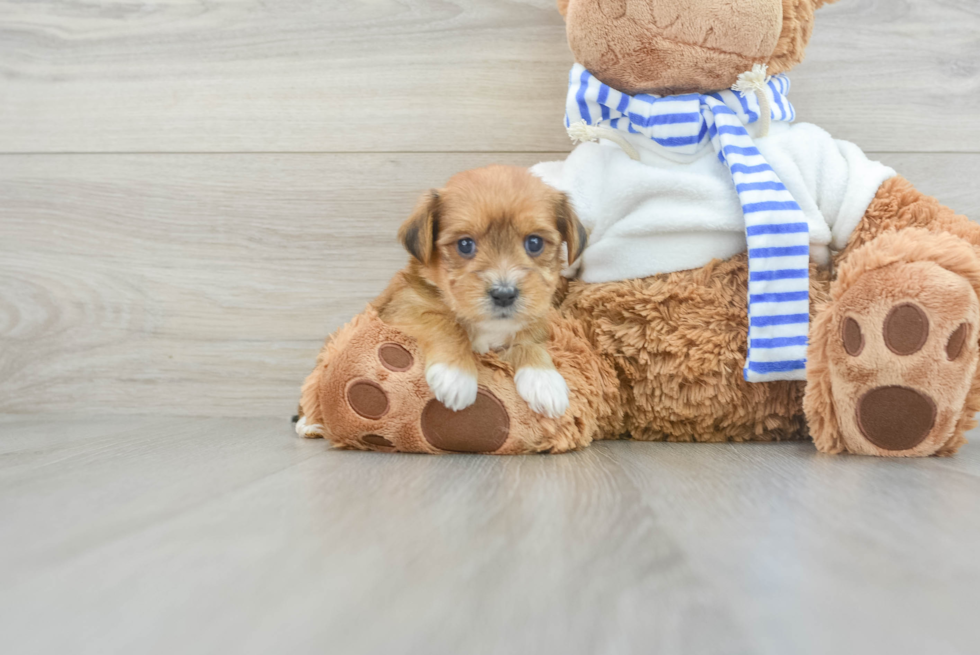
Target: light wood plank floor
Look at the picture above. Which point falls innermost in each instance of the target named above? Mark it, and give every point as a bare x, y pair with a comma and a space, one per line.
164, 535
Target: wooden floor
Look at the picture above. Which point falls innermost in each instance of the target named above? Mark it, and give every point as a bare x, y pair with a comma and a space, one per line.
194, 194
189, 535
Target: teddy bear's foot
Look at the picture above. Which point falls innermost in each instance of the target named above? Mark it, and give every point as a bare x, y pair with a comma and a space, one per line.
369, 392
899, 354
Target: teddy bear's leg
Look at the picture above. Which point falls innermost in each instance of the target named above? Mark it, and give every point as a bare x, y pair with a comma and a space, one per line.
368, 392
892, 364
678, 344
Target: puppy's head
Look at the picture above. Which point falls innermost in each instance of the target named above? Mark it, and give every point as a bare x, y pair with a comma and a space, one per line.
491, 240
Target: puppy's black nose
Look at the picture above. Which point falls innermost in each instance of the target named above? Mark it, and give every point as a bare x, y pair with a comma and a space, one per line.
504, 296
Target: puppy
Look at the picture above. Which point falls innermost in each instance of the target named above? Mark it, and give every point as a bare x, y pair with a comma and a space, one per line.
486, 262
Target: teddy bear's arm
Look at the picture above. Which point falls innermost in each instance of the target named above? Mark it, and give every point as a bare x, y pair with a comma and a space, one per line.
898, 204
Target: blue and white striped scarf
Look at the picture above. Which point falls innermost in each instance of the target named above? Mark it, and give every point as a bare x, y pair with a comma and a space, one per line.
775, 226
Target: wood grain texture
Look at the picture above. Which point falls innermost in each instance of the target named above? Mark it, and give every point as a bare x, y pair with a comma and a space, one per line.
422, 75
204, 284
192, 284
162, 535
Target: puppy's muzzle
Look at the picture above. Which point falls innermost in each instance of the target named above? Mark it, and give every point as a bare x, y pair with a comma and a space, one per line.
503, 295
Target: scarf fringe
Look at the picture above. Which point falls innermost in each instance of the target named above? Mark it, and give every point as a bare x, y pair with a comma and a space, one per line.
581, 132
755, 81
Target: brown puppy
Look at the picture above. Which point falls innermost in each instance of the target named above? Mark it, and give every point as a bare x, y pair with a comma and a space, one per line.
486, 261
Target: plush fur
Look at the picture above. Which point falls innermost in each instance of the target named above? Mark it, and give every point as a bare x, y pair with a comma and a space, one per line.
660, 358
677, 342
681, 46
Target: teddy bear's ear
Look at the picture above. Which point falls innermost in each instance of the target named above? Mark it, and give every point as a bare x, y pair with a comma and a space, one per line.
419, 233
563, 7
797, 28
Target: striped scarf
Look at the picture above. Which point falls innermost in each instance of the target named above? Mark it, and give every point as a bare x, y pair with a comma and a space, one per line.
775, 227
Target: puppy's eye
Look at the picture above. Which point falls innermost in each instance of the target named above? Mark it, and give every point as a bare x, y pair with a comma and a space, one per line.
534, 245
466, 247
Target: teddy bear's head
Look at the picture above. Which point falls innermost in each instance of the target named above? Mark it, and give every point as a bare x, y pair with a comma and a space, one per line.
682, 46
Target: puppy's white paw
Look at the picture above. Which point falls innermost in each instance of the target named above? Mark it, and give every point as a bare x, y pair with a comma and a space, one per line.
312, 430
452, 386
544, 390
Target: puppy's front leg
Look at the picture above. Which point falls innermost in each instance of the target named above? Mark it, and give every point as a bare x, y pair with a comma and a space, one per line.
450, 366
537, 381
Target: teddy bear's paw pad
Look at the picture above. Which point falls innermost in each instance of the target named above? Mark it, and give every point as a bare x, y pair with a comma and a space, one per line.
851, 337
954, 347
367, 398
395, 357
482, 427
896, 418
906, 329
904, 359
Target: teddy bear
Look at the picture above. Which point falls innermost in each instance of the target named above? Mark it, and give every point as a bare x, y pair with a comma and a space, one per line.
747, 277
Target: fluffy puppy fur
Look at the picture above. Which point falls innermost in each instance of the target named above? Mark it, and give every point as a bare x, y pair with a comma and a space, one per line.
486, 262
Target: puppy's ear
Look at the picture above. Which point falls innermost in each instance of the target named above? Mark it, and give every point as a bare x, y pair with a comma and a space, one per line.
563, 7
419, 233
572, 231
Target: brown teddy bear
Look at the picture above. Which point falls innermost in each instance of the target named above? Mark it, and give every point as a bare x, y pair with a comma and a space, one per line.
747, 278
